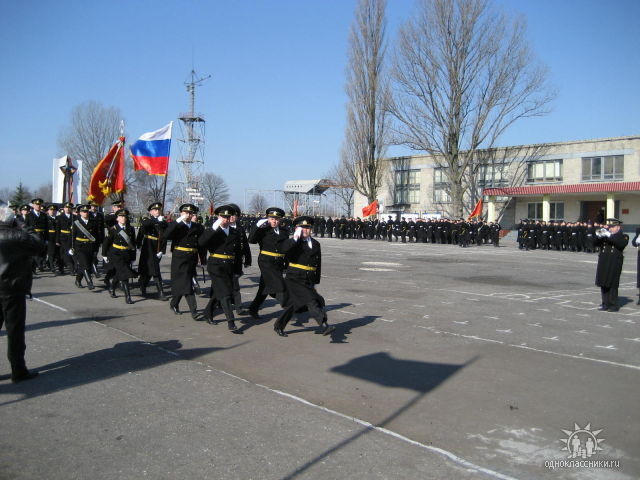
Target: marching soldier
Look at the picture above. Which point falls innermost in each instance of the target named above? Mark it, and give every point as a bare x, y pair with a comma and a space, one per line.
184, 234
119, 250
268, 233
243, 260
224, 246
53, 257
36, 220
99, 218
84, 235
21, 219
64, 225
304, 262
110, 218
612, 241
152, 247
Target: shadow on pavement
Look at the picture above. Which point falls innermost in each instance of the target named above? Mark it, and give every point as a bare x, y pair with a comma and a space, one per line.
381, 368
121, 359
71, 321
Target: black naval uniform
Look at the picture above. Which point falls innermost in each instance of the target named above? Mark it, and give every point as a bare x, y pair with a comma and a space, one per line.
224, 247
151, 241
245, 260
83, 245
304, 263
271, 263
37, 222
184, 259
610, 267
64, 225
120, 250
53, 256
636, 243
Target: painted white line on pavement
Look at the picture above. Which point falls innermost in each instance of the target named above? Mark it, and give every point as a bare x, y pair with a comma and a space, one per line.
523, 346
451, 456
50, 304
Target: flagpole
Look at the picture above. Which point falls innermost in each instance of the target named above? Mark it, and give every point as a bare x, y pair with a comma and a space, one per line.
166, 176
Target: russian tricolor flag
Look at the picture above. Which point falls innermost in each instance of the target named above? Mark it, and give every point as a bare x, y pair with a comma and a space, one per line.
151, 151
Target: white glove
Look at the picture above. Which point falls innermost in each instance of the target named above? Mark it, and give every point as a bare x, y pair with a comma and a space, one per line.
607, 233
160, 218
159, 255
180, 219
105, 259
298, 233
71, 252
261, 222
217, 223
233, 224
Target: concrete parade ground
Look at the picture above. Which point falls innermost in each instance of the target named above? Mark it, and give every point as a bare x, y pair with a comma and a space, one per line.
447, 363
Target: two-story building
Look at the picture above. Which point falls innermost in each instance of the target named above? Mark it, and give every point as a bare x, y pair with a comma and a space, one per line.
570, 181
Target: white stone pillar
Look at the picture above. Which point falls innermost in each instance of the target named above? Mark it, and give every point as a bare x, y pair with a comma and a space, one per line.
491, 208
546, 208
611, 206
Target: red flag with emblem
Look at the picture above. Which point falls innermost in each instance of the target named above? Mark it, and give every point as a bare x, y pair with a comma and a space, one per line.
371, 209
477, 211
108, 176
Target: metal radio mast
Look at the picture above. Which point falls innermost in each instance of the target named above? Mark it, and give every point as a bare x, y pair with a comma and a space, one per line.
192, 146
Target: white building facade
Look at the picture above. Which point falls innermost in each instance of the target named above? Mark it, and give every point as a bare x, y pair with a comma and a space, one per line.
571, 181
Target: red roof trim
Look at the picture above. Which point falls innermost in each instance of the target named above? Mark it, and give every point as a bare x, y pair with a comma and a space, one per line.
608, 187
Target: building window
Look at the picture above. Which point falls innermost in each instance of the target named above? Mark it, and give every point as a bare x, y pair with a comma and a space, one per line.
407, 187
440, 195
440, 186
596, 169
544, 171
493, 175
556, 211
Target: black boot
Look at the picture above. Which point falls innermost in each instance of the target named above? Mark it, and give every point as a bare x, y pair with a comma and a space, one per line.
161, 295
143, 285
193, 308
87, 277
127, 293
173, 305
79, 281
111, 286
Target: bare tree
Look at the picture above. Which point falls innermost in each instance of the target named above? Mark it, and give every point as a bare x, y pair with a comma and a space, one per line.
214, 189
340, 181
368, 92
500, 167
44, 191
93, 130
257, 203
463, 74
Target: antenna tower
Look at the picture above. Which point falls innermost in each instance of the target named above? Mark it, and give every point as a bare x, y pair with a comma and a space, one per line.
192, 129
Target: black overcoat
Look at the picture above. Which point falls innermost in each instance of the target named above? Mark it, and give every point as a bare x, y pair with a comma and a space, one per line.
220, 245
119, 253
271, 266
301, 282
184, 258
610, 259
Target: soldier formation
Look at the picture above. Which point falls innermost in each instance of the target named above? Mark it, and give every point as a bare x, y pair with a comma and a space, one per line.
77, 237
559, 236
439, 231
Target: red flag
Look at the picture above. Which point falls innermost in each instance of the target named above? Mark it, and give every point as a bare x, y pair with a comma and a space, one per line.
371, 209
210, 209
108, 176
477, 211
295, 207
